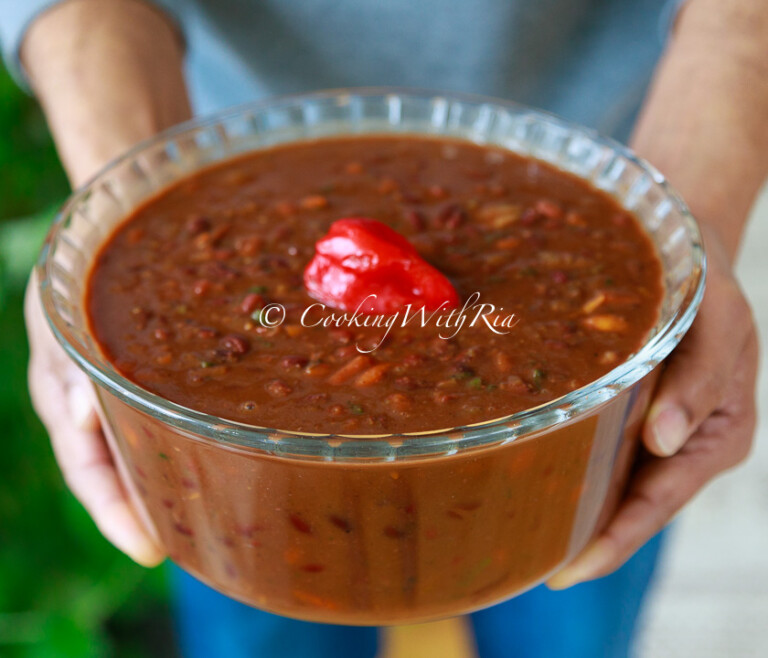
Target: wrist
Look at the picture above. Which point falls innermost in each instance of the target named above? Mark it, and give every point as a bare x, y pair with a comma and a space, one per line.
108, 74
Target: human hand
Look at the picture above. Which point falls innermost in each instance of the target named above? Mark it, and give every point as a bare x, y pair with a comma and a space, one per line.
108, 74
700, 423
64, 399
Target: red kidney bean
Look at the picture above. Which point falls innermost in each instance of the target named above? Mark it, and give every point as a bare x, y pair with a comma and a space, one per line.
294, 361
251, 302
206, 332
415, 219
300, 524
235, 344
341, 523
313, 568
393, 533
559, 277
451, 216
529, 217
183, 529
197, 224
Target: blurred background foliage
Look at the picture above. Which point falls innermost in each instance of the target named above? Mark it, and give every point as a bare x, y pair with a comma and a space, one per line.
64, 591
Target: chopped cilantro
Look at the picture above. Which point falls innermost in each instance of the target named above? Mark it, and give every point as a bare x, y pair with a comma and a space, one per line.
258, 315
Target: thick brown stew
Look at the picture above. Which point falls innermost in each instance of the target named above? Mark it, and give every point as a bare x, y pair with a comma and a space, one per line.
176, 298
176, 294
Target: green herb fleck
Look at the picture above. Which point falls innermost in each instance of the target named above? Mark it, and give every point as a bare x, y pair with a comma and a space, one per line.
475, 382
181, 308
162, 455
355, 409
259, 290
609, 281
528, 271
538, 376
207, 364
258, 316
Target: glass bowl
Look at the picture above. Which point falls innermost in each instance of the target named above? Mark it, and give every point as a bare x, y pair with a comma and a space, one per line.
386, 529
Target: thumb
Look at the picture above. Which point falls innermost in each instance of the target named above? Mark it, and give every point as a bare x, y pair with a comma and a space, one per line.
698, 372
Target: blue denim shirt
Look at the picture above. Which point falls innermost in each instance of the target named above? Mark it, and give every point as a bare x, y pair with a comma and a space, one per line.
587, 60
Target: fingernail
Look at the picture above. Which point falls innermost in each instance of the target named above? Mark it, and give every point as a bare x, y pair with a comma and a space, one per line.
670, 430
120, 525
585, 567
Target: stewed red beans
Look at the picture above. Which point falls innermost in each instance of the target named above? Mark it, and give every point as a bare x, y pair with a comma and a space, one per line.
180, 294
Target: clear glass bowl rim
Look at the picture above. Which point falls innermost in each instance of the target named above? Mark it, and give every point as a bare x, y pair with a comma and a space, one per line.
385, 447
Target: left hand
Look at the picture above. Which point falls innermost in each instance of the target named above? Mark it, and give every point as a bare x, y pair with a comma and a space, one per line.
700, 423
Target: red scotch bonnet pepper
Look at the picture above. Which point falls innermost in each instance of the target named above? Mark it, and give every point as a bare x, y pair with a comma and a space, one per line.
361, 257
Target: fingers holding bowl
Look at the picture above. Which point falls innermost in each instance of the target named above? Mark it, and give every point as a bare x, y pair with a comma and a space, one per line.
63, 398
700, 370
661, 486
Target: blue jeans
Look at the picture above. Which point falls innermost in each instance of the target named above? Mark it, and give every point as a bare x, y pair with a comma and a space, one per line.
593, 620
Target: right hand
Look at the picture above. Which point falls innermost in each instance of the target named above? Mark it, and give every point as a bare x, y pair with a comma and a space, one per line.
64, 399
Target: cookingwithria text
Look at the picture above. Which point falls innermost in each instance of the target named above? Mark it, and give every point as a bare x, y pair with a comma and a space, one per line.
472, 313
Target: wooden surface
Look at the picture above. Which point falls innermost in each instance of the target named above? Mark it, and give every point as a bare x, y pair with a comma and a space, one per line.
450, 638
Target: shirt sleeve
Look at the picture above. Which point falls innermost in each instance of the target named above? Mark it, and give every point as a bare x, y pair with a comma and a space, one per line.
668, 18
17, 15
